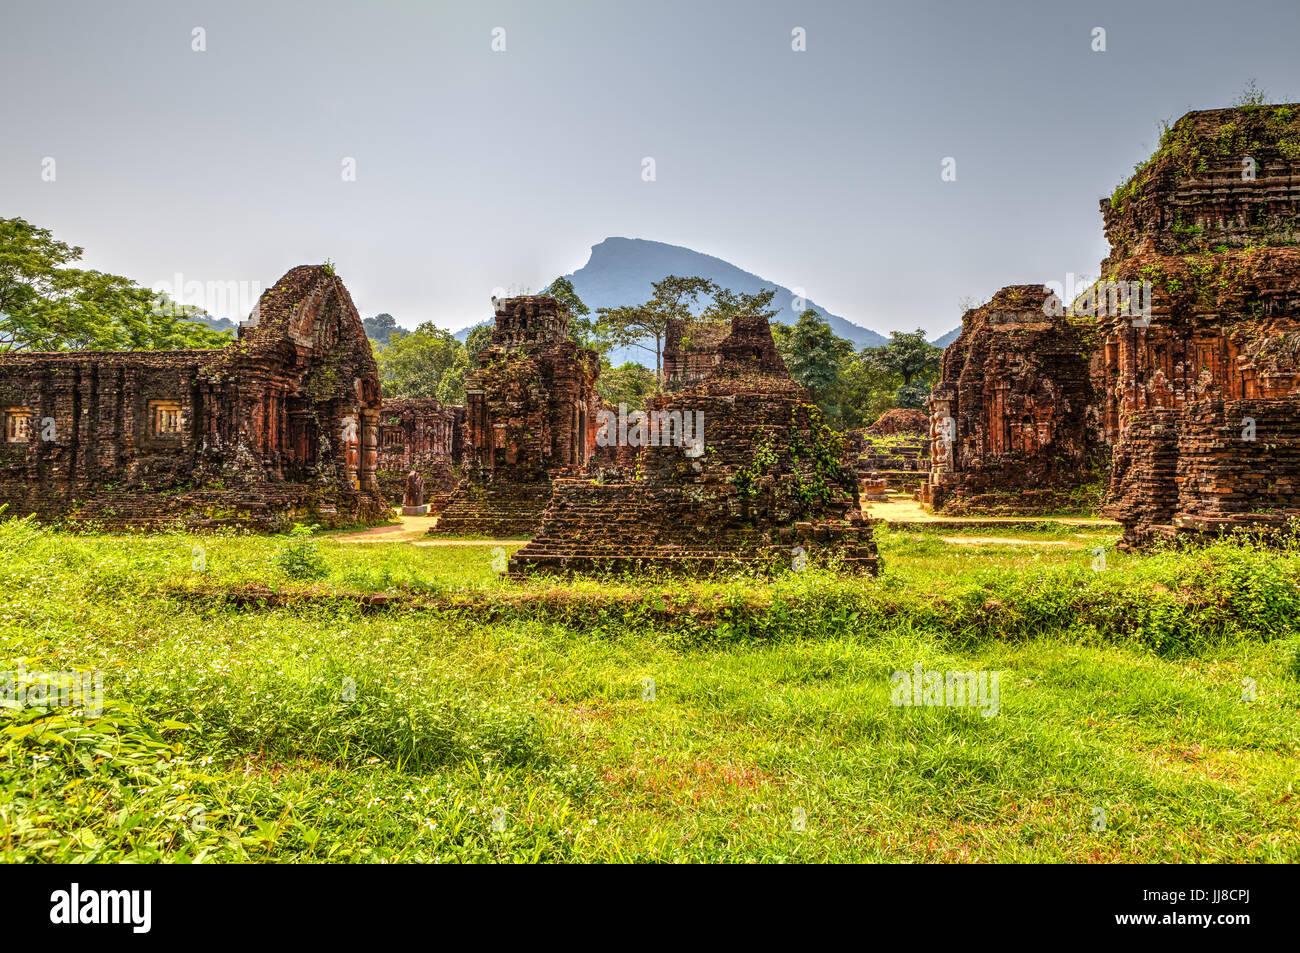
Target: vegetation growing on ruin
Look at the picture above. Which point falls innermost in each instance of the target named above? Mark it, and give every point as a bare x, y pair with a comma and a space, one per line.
1187, 148
762, 458
817, 451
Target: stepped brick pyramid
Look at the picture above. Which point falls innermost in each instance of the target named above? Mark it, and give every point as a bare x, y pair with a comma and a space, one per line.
280, 425
1203, 404
1011, 428
900, 420
893, 453
420, 434
765, 485
530, 414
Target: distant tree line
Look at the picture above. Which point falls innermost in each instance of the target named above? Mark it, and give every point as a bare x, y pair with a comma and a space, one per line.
853, 387
46, 304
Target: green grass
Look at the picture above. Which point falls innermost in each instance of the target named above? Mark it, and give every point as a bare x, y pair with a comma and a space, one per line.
322, 729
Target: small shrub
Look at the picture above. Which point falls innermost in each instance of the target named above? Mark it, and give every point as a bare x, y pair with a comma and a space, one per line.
299, 556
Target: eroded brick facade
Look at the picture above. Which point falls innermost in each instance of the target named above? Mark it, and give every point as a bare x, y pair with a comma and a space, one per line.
1012, 418
691, 351
763, 483
281, 425
423, 435
1203, 403
530, 414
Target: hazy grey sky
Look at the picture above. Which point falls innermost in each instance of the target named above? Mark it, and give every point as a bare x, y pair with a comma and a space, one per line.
478, 169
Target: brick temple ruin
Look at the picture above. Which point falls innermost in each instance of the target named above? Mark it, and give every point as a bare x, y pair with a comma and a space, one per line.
1011, 418
1195, 398
1196, 405
758, 480
893, 454
421, 435
530, 415
281, 425
1203, 404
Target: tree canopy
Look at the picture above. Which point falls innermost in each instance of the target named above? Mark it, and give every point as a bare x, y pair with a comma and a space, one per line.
629, 384
383, 329
476, 342
428, 362
853, 387
909, 356
584, 330
815, 357
46, 305
673, 297
561, 289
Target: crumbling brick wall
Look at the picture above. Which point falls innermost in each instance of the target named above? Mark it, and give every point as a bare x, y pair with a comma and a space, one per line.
760, 479
280, 425
691, 350
1012, 416
891, 454
420, 434
530, 414
1211, 221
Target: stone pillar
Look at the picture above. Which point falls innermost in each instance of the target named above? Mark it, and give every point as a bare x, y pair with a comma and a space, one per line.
369, 425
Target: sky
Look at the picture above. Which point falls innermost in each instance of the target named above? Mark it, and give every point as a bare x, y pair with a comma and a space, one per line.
479, 169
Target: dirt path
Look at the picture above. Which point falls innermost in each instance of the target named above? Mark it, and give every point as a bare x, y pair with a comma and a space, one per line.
904, 509
470, 542
409, 528
899, 509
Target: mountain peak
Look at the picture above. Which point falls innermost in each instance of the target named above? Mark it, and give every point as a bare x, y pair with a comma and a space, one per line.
621, 270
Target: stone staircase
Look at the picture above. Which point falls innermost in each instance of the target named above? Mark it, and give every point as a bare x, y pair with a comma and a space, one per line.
902, 465
493, 510
631, 526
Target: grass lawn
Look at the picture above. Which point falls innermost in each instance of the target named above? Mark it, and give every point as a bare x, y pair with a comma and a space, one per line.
258, 709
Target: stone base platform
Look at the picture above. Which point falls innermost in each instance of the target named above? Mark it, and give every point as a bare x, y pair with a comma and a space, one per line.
634, 527
494, 510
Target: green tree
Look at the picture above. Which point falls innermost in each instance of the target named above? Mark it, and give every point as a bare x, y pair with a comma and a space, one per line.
914, 360
629, 383
428, 362
909, 355
47, 306
816, 357
913, 396
561, 289
865, 391
476, 342
382, 329
727, 304
673, 297
585, 331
